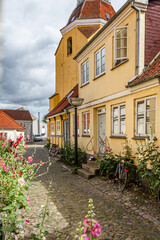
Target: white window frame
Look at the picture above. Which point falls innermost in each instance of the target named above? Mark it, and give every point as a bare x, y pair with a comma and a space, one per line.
87, 127
85, 70
52, 128
119, 120
145, 128
58, 130
115, 48
100, 66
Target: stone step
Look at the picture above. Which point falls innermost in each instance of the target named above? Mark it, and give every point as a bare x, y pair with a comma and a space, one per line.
92, 163
84, 173
90, 168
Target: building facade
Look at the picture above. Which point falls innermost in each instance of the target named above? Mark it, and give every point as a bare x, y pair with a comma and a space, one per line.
86, 19
117, 72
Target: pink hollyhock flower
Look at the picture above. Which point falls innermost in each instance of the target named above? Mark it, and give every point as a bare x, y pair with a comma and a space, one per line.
27, 221
86, 225
35, 165
44, 238
41, 163
84, 237
30, 160
28, 201
20, 158
96, 231
21, 181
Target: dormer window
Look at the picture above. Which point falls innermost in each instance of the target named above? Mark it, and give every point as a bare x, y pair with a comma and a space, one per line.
69, 46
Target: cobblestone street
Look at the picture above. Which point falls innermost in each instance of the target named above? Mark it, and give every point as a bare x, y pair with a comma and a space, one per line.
129, 216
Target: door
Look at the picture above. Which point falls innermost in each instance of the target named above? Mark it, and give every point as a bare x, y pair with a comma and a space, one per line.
101, 130
66, 131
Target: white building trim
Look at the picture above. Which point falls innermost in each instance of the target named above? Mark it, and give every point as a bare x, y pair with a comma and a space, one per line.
82, 22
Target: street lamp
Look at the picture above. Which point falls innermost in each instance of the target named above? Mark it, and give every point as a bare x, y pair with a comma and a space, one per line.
76, 102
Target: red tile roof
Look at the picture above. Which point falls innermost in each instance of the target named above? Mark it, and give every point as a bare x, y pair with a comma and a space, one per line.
6, 122
18, 114
88, 31
92, 9
152, 71
64, 103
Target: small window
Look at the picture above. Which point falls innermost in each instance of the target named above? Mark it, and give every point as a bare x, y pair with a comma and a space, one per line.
146, 116
100, 62
85, 72
69, 46
107, 16
58, 126
77, 124
119, 120
120, 45
86, 123
52, 128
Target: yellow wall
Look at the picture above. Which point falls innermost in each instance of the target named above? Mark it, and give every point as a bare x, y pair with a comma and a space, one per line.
114, 80
66, 67
116, 143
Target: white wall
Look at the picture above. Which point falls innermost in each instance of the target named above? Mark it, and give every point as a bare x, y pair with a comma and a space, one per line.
12, 134
43, 128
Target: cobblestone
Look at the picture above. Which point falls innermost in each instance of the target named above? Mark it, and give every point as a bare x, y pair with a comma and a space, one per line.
123, 216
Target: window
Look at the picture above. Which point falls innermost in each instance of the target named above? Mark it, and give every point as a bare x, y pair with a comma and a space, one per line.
52, 128
69, 46
100, 62
77, 124
86, 123
120, 45
85, 72
146, 116
119, 120
58, 125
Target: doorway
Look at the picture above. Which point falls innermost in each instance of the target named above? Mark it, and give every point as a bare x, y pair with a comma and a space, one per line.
101, 131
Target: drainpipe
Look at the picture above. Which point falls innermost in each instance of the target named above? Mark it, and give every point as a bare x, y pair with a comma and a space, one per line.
138, 48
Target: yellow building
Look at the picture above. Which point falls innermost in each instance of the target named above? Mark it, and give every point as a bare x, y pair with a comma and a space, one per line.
119, 81
85, 21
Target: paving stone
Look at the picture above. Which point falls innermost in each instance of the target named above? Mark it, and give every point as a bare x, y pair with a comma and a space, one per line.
120, 214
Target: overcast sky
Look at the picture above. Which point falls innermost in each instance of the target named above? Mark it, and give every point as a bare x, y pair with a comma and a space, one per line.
30, 37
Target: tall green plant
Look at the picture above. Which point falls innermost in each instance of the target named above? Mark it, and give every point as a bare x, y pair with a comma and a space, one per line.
148, 158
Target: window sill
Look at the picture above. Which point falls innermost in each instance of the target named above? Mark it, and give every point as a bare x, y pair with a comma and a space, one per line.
120, 64
143, 138
85, 135
84, 85
119, 137
77, 135
99, 76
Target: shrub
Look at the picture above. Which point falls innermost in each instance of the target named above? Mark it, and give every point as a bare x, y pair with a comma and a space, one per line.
68, 155
16, 174
107, 162
149, 164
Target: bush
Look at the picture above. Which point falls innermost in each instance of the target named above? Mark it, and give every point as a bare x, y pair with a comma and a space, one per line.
107, 163
149, 164
68, 155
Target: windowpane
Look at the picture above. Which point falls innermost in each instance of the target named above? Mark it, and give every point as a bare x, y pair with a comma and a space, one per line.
103, 52
120, 45
102, 68
85, 72
150, 104
100, 61
150, 127
119, 119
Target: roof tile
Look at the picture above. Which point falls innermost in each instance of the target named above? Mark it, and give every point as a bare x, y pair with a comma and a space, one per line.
151, 71
64, 103
6, 122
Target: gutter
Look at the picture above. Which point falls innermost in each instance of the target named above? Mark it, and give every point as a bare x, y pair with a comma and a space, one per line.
138, 43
